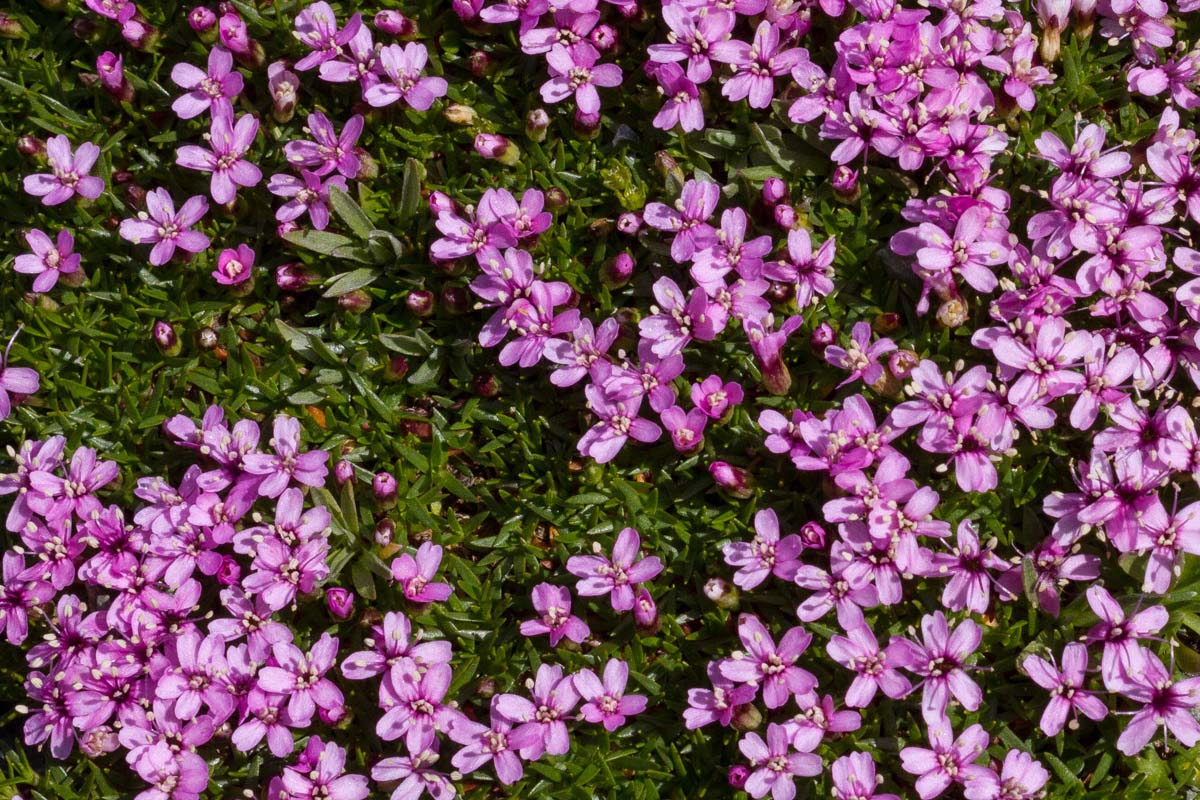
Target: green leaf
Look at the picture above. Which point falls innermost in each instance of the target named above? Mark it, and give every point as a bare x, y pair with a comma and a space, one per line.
410, 190
350, 213
321, 242
349, 281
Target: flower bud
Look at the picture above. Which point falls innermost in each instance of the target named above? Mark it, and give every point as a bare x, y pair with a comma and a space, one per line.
629, 223
166, 339
465, 9
734, 480
343, 472
481, 64
294, 277
459, 114
953, 313
284, 228
774, 192
10, 27
668, 168
630, 10
333, 717
885, 323
747, 717
385, 532
99, 741
738, 775
84, 28
202, 19
396, 368
234, 36
485, 385
822, 336
785, 216
112, 76
813, 535
645, 611
355, 302
604, 37
901, 363
283, 85
207, 339
340, 602
420, 302
31, 146
617, 270
230, 572
394, 23
384, 487
496, 147
486, 688
537, 122
844, 182
557, 198
139, 34
722, 593
585, 125
455, 299
440, 202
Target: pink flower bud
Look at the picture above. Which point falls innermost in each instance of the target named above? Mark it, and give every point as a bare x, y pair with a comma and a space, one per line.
645, 610
384, 488
385, 532
31, 146
293, 277
396, 368
202, 19
813, 535
355, 302
537, 122
722, 593
485, 385
333, 716
586, 126
497, 147
234, 266
394, 23
440, 202
343, 472
166, 339
234, 36
99, 741
139, 35
844, 182
629, 223
785, 216
229, 573
340, 602
618, 270
822, 336
112, 76
604, 37
734, 480
738, 775
284, 228
774, 191
901, 363
420, 302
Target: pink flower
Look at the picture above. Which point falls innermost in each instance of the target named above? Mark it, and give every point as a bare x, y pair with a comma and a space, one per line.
161, 226
941, 659
619, 577
301, 678
766, 554
949, 761
854, 779
969, 567
718, 704
1021, 778
1166, 705
773, 667
554, 605
1065, 687
317, 29
574, 71
307, 193
329, 151
681, 103
324, 778
49, 259
757, 64
415, 575
715, 397
391, 642
414, 776
774, 765
403, 66
619, 422
876, 668
69, 173
607, 702
860, 356
213, 89
234, 266
554, 696
225, 160
497, 743
413, 703
969, 252
1120, 634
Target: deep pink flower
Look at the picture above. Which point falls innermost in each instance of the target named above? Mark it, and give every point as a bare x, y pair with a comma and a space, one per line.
607, 702
775, 766
970, 566
403, 66
1166, 705
875, 667
619, 421
1020, 778
574, 71
324, 778
161, 226
969, 252
415, 575
757, 64
766, 554
948, 761
234, 266
773, 667
497, 743
854, 779
301, 678
215, 88
49, 260
553, 698
225, 156
414, 776
287, 464
706, 706
860, 356
617, 577
306, 194
328, 151
69, 173
413, 707
941, 659
1065, 687
317, 29
58, 498
554, 605
391, 642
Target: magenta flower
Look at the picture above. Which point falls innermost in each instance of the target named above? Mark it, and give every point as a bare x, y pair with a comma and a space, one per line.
757, 64
715, 397
618, 577
18, 595
414, 776
69, 173
810, 273
817, 717
854, 779
306, 194
875, 668
767, 345
281, 573
607, 703
681, 99
718, 704
969, 567
317, 29
287, 463
301, 678
328, 151
766, 554
324, 778
49, 260
22, 381
228, 145
688, 219
57, 498
214, 89
403, 66
686, 427
161, 226
574, 71
412, 703
497, 743
948, 761
391, 642
1166, 705
415, 575
1120, 634
1065, 687
969, 252
234, 266
554, 696
775, 766
860, 356
619, 421
773, 667
941, 659
694, 34
554, 605
172, 775
1021, 778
